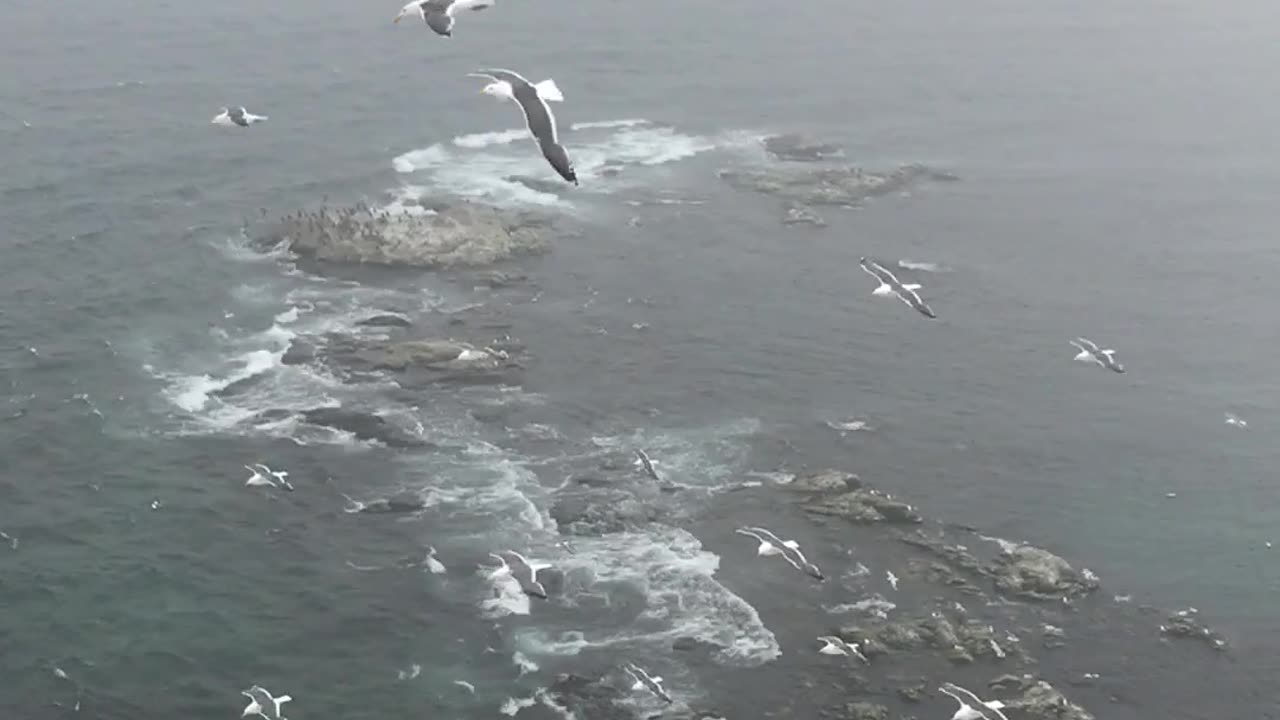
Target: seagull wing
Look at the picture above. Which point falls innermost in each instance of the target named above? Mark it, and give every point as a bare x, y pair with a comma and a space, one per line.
502, 75
872, 268
749, 533
769, 536
1087, 345
974, 701
457, 5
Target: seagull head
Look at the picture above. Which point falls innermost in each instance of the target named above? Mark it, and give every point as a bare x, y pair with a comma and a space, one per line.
812, 571
415, 6
499, 89
537, 590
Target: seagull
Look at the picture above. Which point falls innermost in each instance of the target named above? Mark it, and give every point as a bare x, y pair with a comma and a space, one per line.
258, 479
1089, 352
13, 541
645, 680
435, 566
525, 573
979, 710
889, 284
262, 477
533, 99
1236, 420
236, 116
438, 14
771, 545
643, 459
893, 579
262, 703
835, 646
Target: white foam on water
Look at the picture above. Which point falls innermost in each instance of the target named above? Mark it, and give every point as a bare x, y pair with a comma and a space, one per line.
192, 392
683, 599
609, 124
521, 661
512, 706
497, 137
874, 606
507, 599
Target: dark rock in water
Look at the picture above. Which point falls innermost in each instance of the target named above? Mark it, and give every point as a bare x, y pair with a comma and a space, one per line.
300, 352
846, 185
385, 321
428, 360
826, 481
914, 692
594, 481
689, 643
1053, 637
585, 697
402, 503
272, 415
960, 641
1043, 702
797, 214
600, 513
865, 711
240, 386
1186, 624
365, 426
542, 185
799, 148
864, 505
457, 235
1032, 572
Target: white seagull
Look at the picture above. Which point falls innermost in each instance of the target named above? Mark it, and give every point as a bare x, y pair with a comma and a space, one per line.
525, 572
890, 285
1089, 352
893, 579
645, 680
833, 645
978, 710
262, 477
262, 703
1236, 420
435, 566
236, 116
642, 459
771, 545
438, 14
533, 99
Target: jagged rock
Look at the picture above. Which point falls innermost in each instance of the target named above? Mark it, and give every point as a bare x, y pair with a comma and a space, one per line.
1186, 624
1032, 572
300, 352
1042, 700
864, 505
865, 711
588, 698
799, 148
845, 185
941, 573
458, 234
365, 426
913, 693
825, 481
600, 513
386, 320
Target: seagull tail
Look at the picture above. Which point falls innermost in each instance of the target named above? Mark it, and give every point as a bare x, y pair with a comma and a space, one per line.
549, 91
912, 286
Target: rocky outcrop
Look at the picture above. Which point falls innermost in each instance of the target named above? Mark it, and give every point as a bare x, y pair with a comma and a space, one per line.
795, 147
961, 640
1039, 700
600, 512
1186, 624
584, 697
1032, 572
462, 234
839, 185
422, 360
796, 214
832, 492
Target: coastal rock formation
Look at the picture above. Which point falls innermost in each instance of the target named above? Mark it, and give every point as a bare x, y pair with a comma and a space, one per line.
401, 503
829, 185
801, 148
843, 494
1039, 700
1186, 624
462, 234
797, 214
962, 641
364, 425
420, 360
1033, 572
600, 512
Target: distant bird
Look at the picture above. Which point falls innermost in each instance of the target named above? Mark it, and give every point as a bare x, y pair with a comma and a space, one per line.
1236, 421
533, 99
262, 703
1089, 352
890, 285
264, 476
644, 680
237, 116
524, 572
833, 645
642, 458
771, 545
893, 579
438, 14
978, 710
435, 566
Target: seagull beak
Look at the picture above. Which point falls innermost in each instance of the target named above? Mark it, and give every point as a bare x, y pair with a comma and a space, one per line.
397, 19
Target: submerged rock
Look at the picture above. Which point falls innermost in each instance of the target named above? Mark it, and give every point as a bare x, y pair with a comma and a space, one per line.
864, 505
401, 503
364, 425
600, 513
1186, 624
841, 185
797, 214
385, 320
825, 481
1042, 700
458, 234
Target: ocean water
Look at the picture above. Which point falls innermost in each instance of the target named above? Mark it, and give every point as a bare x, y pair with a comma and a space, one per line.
1117, 165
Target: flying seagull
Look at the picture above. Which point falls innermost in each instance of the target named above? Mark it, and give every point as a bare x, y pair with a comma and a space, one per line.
889, 284
771, 545
525, 573
538, 117
642, 457
645, 680
236, 116
833, 645
1089, 352
435, 566
262, 703
438, 14
978, 710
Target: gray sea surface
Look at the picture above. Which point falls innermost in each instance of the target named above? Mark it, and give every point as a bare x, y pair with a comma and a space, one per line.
1118, 165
